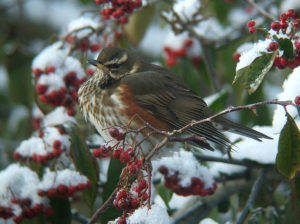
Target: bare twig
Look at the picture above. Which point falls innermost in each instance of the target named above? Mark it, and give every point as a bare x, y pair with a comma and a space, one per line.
261, 10
103, 207
254, 192
79, 218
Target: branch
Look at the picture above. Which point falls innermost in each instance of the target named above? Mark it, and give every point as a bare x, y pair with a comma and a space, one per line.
103, 207
254, 192
261, 10
79, 218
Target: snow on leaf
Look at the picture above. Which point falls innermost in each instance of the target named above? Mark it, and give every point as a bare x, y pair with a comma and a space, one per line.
254, 73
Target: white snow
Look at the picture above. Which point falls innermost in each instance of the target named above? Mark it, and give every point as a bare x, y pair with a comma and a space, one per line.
290, 4
174, 41
263, 152
156, 215
187, 165
20, 182
245, 47
52, 55
84, 24
186, 9
54, 81
30, 146
57, 117
66, 177
249, 56
291, 89
208, 221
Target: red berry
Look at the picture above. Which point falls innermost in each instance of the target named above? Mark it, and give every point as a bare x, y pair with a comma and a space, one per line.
121, 194
251, 23
41, 89
135, 203
124, 157
236, 56
142, 184
181, 52
275, 26
97, 152
70, 77
252, 29
71, 111
57, 144
123, 20
50, 69
297, 23
117, 152
283, 62
52, 192
84, 45
118, 35
90, 71
41, 193
163, 170
62, 189
81, 186
114, 132
94, 47
273, 46
37, 72
297, 100
122, 220
123, 204
188, 43
17, 155
283, 17
297, 45
291, 13
98, 2
284, 25
133, 168
48, 212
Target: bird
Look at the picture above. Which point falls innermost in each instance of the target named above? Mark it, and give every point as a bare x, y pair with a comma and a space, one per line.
127, 90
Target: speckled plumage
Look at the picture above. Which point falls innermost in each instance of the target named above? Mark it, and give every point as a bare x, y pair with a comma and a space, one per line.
124, 86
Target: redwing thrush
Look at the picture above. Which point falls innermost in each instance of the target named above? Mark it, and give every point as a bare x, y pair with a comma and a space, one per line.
124, 85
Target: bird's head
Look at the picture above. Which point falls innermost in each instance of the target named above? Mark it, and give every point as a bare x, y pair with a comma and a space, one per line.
117, 62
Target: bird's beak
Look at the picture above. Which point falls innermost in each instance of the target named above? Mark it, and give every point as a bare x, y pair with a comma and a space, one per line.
96, 63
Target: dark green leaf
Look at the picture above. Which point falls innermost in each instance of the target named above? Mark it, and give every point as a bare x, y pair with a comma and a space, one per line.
286, 46
165, 194
62, 210
113, 175
85, 164
288, 157
220, 102
256, 71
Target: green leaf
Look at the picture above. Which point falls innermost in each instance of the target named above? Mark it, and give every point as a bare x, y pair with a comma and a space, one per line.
138, 24
113, 175
256, 71
288, 156
85, 164
62, 210
165, 194
220, 102
286, 46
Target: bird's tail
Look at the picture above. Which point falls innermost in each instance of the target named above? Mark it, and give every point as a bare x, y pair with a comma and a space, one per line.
223, 124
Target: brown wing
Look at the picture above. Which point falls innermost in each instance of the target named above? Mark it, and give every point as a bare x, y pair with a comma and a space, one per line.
169, 100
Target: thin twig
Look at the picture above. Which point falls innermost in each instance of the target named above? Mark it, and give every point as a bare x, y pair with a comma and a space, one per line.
254, 192
261, 10
103, 207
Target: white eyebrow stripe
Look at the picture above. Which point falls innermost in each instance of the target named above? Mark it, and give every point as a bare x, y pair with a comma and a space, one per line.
118, 60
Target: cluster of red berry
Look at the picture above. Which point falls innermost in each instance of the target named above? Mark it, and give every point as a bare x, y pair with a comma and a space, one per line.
195, 188
29, 210
174, 55
119, 9
129, 201
83, 44
64, 191
282, 25
251, 26
103, 151
55, 152
66, 97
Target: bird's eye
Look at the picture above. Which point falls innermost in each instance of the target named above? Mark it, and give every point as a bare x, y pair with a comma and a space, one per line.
113, 66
